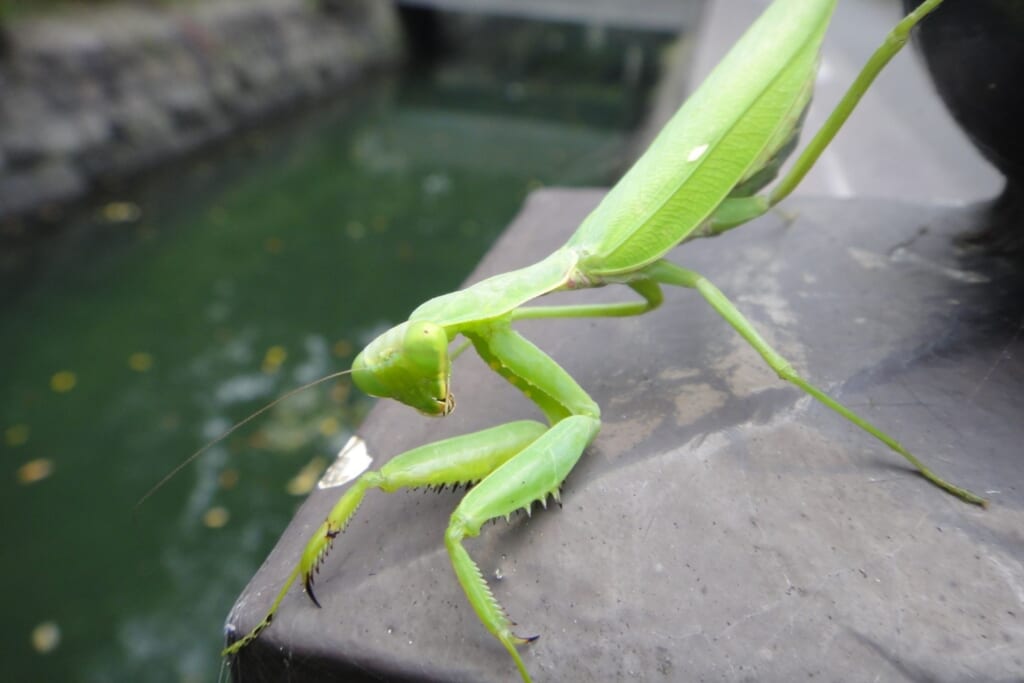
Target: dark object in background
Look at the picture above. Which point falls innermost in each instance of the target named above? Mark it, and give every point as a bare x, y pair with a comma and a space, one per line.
975, 53
424, 34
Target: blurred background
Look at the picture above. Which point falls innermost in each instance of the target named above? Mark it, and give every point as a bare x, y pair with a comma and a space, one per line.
206, 204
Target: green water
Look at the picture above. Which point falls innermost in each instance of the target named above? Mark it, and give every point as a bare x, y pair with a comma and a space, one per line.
156, 317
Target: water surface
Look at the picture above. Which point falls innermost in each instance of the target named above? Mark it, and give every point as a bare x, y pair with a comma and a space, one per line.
159, 315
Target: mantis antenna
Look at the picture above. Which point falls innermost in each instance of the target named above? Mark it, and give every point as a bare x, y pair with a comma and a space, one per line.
187, 461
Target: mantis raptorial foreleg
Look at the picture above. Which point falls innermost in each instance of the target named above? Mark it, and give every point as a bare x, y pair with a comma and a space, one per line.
669, 273
460, 460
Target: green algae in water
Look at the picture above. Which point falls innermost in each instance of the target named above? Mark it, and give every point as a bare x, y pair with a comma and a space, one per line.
167, 312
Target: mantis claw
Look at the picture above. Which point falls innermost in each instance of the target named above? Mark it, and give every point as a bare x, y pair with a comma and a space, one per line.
308, 583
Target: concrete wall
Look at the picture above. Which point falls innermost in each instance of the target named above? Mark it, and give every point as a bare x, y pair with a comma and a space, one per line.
92, 95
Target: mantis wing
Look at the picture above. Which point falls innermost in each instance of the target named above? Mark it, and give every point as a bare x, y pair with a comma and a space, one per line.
733, 124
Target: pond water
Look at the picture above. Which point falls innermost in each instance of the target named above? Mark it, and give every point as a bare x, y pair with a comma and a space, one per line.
158, 316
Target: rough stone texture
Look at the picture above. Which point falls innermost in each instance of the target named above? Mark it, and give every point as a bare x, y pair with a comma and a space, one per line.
723, 526
105, 92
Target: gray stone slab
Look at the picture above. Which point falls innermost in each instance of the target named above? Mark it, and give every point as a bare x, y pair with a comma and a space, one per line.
723, 526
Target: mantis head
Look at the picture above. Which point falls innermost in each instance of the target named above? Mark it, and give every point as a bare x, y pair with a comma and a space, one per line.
408, 363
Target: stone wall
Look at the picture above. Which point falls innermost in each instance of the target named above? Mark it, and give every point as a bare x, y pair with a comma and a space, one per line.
86, 96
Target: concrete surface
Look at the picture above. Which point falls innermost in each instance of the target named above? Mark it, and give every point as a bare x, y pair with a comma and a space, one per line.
723, 527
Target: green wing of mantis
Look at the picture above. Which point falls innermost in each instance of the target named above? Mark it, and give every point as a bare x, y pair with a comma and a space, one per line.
736, 120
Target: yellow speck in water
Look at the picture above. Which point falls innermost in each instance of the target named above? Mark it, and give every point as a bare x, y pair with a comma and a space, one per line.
16, 435
329, 426
342, 348
273, 359
216, 517
140, 361
46, 637
273, 245
303, 482
228, 479
121, 212
63, 381
340, 391
35, 470
258, 439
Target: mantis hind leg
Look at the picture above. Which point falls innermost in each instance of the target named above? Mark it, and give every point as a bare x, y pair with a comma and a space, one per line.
463, 459
669, 273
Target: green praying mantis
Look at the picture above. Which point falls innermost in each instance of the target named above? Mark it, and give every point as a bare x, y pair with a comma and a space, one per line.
703, 175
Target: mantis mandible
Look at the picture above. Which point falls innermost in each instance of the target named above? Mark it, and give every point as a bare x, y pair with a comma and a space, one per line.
702, 176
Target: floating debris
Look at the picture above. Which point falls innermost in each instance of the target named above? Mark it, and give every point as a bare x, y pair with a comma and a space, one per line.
121, 212
342, 348
46, 637
273, 245
216, 517
63, 381
228, 478
273, 359
329, 426
303, 482
16, 435
35, 470
140, 361
340, 391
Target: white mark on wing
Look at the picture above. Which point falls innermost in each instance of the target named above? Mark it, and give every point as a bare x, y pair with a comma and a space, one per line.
696, 152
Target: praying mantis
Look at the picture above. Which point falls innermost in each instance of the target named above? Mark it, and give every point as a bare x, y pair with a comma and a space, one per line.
703, 175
